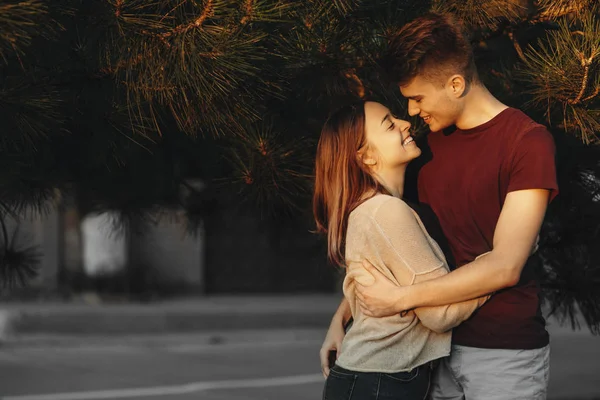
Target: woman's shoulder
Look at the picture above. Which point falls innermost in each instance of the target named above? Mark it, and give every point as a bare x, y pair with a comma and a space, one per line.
382, 204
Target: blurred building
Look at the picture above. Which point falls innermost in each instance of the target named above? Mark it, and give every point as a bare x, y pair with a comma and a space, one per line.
232, 251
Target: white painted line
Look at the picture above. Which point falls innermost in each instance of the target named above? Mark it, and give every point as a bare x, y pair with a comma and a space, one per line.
176, 389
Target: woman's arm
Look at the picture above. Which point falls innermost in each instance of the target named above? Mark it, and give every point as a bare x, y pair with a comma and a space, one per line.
335, 335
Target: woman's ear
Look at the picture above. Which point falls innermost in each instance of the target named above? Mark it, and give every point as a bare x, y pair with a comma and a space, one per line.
370, 161
366, 157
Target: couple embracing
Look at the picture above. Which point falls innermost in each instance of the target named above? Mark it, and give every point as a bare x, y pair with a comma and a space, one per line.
420, 327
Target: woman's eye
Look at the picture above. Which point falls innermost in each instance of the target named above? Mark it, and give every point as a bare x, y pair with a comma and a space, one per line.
392, 125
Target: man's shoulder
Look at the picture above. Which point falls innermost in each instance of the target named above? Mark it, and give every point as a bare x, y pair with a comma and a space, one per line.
515, 126
520, 122
529, 134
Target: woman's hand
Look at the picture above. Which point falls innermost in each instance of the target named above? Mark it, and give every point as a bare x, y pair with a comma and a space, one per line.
333, 342
381, 297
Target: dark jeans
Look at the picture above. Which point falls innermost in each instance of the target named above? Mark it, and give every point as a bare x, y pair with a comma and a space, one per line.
343, 384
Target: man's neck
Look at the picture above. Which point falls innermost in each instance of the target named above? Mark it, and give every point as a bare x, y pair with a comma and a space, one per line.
480, 107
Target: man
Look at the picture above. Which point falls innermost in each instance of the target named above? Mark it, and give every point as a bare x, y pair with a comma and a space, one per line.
489, 183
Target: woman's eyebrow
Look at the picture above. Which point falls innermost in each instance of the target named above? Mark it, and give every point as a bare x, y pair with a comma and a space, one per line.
387, 116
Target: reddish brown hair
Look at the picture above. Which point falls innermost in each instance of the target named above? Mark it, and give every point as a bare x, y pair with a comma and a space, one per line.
341, 179
432, 46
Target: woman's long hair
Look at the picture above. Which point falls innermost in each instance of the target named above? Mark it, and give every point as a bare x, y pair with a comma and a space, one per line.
341, 178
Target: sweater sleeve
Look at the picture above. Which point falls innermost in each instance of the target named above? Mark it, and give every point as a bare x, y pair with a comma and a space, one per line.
408, 248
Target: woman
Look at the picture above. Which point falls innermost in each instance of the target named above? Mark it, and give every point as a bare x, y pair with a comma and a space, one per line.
361, 161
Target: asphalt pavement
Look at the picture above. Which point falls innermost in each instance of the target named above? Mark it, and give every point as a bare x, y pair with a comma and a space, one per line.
174, 368
211, 349
274, 365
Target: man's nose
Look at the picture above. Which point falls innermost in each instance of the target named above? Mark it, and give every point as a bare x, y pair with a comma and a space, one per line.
412, 108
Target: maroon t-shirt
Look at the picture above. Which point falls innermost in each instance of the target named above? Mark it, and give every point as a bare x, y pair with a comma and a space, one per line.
465, 184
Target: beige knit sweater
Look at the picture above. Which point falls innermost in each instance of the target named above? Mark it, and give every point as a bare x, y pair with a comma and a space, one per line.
385, 231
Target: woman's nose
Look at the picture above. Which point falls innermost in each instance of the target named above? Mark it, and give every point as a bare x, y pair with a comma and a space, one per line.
405, 126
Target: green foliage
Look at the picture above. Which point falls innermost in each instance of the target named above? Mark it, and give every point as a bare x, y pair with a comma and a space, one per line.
18, 262
191, 58
570, 237
564, 75
20, 22
484, 15
119, 104
270, 169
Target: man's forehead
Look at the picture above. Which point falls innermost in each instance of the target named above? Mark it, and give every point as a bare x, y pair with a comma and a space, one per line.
416, 87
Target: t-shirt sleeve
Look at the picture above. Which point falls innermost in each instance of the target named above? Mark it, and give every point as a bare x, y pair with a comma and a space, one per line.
533, 163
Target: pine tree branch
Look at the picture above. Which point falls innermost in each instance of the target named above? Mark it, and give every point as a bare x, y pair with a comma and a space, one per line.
172, 10
353, 77
207, 12
549, 10
484, 15
119, 8
584, 81
124, 63
516, 45
20, 22
248, 8
585, 63
594, 94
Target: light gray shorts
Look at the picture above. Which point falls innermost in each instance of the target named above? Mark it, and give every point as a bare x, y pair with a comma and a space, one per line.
471, 373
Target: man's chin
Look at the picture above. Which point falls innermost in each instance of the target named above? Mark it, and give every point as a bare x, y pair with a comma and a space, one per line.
437, 128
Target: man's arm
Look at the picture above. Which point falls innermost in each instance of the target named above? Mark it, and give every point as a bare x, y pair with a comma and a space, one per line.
518, 226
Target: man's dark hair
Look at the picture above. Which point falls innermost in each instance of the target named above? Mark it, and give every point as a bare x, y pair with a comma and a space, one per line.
432, 46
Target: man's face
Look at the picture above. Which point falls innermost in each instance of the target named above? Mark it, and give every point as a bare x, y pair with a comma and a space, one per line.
432, 102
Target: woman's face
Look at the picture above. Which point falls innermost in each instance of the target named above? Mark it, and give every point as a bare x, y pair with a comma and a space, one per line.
389, 141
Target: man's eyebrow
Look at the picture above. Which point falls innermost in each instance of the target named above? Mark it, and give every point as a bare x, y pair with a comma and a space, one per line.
387, 116
414, 97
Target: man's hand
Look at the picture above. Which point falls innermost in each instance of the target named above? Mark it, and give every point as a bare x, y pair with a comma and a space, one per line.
381, 297
333, 342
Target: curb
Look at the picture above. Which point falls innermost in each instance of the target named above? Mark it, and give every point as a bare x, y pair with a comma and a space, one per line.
187, 316
198, 341
107, 323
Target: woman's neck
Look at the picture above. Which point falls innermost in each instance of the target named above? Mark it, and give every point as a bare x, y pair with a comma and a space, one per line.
393, 180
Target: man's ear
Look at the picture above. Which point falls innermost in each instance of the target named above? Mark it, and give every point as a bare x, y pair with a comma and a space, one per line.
457, 85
